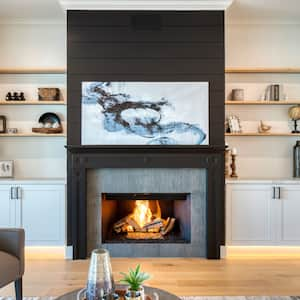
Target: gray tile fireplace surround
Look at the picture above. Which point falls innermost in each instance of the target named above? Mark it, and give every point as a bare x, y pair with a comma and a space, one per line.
156, 180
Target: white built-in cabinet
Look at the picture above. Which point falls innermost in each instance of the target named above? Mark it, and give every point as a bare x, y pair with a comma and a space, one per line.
38, 208
262, 213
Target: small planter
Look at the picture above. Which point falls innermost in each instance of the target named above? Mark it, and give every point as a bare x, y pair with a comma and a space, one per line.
135, 295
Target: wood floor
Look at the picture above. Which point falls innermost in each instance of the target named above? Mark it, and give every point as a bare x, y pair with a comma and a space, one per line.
234, 276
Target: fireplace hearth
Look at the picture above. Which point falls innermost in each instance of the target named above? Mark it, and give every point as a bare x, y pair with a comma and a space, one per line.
146, 218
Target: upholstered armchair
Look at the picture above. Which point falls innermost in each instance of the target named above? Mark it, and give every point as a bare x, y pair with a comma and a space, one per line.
12, 258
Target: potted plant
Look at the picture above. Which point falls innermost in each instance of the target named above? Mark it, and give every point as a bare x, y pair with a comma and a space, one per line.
134, 279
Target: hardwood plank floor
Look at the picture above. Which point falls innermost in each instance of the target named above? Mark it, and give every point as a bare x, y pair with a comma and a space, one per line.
234, 276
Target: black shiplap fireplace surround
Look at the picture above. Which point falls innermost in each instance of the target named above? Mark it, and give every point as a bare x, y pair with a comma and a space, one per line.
145, 46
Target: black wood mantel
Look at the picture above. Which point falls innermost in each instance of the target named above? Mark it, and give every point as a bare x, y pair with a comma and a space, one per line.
83, 158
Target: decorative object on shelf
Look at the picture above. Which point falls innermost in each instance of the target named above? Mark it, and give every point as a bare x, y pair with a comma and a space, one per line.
9, 97
297, 160
135, 279
227, 154
234, 124
237, 94
12, 130
22, 96
2, 124
48, 94
15, 96
294, 114
6, 168
100, 283
263, 128
273, 92
48, 123
233, 163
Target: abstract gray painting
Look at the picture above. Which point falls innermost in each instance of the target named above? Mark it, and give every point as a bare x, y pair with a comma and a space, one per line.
145, 113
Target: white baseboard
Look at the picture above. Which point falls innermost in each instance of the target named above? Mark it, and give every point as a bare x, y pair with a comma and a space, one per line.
262, 251
45, 252
69, 252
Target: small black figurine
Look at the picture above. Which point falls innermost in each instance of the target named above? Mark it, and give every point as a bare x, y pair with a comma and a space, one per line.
8, 97
15, 96
22, 97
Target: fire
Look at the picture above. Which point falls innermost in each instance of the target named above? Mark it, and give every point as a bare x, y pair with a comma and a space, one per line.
142, 213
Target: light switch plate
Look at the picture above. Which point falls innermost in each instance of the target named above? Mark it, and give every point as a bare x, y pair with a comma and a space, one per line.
6, 168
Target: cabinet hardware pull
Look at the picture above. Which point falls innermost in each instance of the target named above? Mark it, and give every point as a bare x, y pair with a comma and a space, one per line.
11, 193
276, 192
19, 193
279, 192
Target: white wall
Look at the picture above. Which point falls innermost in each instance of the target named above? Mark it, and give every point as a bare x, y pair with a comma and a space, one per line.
32, 46
263, 45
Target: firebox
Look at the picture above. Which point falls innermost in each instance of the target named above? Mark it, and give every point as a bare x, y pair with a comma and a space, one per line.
146, 218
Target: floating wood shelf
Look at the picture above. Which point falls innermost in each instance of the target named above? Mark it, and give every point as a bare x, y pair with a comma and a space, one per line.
263, 70
34, 71
32, 102
262, 134
32, 135
257, 102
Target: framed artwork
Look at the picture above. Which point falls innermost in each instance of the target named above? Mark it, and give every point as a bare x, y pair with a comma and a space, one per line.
145, 113
6, 168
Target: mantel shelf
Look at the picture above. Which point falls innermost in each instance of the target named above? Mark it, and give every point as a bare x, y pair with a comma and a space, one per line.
263, 70
32, 135
262, 134
32, 102
258, 102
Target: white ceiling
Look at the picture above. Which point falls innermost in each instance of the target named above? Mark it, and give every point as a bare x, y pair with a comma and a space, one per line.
241, 11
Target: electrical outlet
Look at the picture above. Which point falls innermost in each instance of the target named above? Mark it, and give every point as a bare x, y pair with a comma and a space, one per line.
6, 168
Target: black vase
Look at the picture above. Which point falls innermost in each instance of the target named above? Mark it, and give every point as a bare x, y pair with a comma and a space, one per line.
297, 160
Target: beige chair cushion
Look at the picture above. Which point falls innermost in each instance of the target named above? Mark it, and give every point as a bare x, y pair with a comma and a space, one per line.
9, 268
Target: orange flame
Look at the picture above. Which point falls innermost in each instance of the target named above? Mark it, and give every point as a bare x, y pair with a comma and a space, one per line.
142, 213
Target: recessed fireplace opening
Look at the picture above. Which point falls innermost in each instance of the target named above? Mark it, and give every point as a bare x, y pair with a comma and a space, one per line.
146, 218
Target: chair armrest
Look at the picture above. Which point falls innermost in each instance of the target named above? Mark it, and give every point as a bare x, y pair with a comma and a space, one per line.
12, 241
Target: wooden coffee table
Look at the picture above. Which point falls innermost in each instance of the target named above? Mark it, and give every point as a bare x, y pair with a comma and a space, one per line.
162, 295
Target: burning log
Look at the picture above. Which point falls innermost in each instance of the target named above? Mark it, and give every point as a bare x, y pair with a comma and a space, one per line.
134, 224
157, 223
170, 227
118, 226
144, 236
143, 224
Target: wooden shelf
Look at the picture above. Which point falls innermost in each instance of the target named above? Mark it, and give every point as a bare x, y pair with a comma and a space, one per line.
263, 70
257, 102
262, 134
34, 71
32, 102
32, 135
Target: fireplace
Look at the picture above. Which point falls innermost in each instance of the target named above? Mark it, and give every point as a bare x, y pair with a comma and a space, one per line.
146, 218
176, 195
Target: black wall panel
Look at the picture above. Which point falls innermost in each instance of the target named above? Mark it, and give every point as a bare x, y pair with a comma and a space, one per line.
146, 46
182, 46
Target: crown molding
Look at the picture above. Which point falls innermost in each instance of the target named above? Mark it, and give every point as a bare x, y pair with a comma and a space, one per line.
185, 5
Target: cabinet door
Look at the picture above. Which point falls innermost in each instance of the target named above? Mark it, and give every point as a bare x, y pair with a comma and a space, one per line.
290, 214
249, 214
43, 213
7, 207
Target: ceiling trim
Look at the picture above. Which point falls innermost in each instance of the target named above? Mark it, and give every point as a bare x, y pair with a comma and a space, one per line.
184, 5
